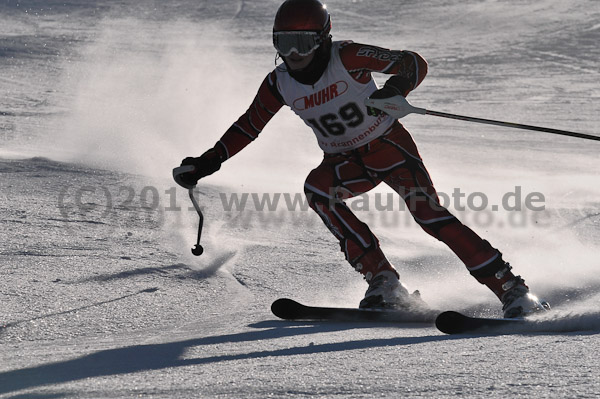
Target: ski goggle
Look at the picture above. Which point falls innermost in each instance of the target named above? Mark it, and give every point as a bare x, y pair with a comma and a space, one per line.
300, 42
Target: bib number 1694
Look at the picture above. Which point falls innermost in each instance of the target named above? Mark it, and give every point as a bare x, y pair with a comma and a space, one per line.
332, 124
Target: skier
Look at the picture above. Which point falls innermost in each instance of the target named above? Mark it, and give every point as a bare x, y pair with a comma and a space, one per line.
326, 82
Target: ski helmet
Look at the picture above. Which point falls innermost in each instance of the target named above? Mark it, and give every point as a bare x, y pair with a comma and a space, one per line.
304, 26
300, 26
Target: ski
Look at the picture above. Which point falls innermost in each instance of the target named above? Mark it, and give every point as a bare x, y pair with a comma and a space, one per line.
289, 309
451, 322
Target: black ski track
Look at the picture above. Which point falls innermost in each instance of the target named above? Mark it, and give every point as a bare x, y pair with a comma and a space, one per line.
448, 322
451, 322
289, 309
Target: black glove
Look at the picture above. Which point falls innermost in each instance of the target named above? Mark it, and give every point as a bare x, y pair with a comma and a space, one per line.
395, 86
204, 165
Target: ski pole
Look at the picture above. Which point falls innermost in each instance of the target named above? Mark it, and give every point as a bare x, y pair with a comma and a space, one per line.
197, 250
398, 107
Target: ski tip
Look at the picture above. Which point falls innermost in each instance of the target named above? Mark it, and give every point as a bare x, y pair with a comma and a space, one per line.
285, 308
450, 322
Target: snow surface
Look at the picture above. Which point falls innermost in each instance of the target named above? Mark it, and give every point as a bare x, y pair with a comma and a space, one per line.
100, 295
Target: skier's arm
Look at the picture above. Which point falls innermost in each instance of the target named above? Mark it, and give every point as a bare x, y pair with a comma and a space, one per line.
407, 67
247, 128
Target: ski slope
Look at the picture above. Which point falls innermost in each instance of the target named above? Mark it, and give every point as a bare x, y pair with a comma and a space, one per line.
101, 296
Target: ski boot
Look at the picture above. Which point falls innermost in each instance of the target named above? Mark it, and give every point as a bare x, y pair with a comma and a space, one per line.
518, 302
387, 292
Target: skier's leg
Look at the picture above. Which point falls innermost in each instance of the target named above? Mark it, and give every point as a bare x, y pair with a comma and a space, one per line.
335, 179
411, 180
344, 176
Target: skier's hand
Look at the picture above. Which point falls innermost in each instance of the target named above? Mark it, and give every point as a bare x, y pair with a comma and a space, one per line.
384, 92
204, 165
395, 86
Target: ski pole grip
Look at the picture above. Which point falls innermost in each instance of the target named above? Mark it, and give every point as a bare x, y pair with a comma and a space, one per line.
183, 169
397, 107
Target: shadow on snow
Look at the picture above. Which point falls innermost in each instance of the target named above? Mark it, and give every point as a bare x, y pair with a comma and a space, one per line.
138, 358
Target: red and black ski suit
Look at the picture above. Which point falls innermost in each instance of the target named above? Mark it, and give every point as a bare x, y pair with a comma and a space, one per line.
362, 151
